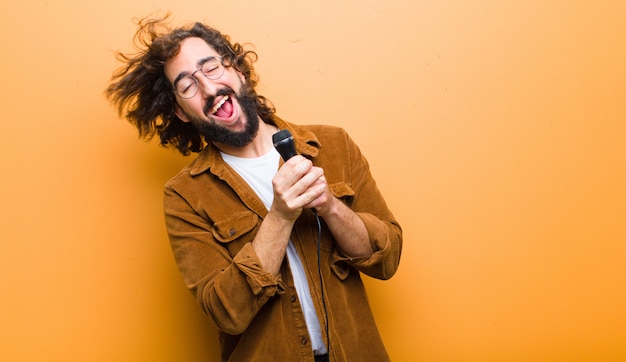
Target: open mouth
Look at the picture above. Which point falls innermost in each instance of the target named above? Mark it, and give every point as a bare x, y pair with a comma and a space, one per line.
223, 108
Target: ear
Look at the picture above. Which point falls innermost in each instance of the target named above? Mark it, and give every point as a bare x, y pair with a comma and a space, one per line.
180, 114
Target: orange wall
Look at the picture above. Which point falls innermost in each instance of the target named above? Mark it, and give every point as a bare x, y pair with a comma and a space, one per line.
495, 128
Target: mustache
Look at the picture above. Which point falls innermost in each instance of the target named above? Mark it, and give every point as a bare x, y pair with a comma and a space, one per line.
211, 100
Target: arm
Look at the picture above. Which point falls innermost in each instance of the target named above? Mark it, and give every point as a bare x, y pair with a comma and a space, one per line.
301, 185
228, 257
348, 229
377, 252
271, 241
365, 231
216, 256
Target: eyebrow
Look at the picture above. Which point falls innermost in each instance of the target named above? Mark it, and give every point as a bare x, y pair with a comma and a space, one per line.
201, 62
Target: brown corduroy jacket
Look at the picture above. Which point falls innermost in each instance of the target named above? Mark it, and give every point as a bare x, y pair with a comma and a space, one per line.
212, 216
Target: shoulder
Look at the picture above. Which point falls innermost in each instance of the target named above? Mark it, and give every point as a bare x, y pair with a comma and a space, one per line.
324, 134
308, 131
182, 177
321, 130
196, 166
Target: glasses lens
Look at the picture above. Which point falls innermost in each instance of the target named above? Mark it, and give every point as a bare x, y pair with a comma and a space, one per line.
213, 68
187, 87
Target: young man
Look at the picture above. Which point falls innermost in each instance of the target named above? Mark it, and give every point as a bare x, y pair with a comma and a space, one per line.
273, 252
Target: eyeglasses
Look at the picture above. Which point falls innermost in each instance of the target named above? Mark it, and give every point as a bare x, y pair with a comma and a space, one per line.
212, 68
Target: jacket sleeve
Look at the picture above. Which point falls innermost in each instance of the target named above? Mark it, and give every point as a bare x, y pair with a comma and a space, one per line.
230, 289
367, 202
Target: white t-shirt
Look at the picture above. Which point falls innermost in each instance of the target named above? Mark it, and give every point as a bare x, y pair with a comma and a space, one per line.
258, 173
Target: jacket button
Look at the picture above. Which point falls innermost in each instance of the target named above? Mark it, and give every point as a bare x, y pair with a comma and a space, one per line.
303, 341
232, 232
293, 299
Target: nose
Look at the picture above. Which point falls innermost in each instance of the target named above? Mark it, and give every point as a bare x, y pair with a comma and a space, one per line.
206, 87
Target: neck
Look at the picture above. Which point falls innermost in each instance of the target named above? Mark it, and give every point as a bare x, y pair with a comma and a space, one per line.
260, 145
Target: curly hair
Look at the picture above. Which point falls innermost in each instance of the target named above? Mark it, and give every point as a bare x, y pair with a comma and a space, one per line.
143, 95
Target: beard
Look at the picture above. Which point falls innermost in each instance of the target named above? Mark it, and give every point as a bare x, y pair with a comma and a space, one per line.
215, 133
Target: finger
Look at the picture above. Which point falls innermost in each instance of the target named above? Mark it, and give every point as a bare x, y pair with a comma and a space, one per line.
310, 179
293, 170
290, 172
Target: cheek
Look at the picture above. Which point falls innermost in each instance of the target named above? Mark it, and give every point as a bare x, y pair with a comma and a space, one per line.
196, 105
188, 110
234, 79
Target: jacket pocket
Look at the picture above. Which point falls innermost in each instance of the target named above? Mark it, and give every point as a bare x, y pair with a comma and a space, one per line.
343, 191
234, 226
340, 268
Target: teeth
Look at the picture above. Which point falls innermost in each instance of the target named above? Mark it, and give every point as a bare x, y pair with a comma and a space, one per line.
219, 104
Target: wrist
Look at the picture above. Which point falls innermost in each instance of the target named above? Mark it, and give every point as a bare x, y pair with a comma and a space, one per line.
330, 209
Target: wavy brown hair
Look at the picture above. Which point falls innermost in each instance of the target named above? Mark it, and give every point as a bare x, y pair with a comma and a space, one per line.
143, 95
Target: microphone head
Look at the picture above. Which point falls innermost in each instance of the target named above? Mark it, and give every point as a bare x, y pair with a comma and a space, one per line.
281, 136
283, 142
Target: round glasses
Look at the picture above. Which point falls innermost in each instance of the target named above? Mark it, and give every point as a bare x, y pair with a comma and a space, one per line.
187, 86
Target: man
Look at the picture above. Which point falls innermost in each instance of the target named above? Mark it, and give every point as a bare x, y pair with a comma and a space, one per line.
272, 251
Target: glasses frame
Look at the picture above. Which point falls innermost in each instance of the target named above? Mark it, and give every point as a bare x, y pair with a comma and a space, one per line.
195, 79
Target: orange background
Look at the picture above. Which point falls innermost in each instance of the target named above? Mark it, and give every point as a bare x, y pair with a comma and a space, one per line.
496, 129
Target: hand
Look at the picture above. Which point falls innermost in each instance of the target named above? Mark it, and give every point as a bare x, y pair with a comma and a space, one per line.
325, 202
297, 185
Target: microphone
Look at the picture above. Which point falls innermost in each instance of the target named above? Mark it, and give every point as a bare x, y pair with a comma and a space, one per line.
283, 142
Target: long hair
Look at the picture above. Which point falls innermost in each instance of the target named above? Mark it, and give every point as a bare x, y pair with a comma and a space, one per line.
143, 95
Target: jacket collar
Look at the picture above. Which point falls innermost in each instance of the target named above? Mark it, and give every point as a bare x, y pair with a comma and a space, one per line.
306, 143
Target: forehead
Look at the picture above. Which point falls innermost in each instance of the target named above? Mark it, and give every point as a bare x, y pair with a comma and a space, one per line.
192, 50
